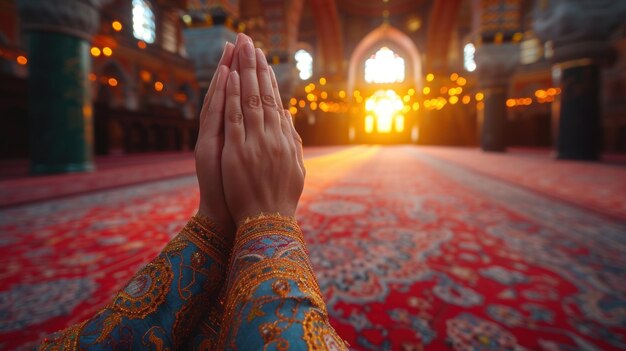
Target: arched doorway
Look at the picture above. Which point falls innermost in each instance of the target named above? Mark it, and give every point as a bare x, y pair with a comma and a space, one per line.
384, 75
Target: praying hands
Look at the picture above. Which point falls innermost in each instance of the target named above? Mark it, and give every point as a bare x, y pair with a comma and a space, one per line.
251, 172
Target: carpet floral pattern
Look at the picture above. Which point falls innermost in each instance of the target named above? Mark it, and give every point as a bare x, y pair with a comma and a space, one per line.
412, 252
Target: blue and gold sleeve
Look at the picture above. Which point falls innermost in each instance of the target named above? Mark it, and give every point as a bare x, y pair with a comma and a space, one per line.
273, 301
164, 303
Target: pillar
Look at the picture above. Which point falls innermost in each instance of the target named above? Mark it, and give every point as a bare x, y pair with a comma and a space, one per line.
497, 54
58, 35
577, 114
208, 30
495, 63
579, 32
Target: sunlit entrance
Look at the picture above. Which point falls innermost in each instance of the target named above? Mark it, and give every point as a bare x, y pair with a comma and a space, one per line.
383, 110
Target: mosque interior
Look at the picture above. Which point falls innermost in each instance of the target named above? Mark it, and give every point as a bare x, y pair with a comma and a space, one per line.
466, 159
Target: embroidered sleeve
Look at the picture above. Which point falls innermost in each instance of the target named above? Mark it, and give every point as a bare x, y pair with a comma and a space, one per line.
273, 299
163, 303
207, 332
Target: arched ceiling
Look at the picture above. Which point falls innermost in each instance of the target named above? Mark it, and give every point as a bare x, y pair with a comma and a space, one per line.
375, 8
332, 18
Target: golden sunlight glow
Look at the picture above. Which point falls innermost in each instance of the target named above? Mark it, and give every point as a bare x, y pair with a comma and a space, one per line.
95, 51
369, 124
322, 81
342, 94
430, 77
399, 123
385, 66
385, 104
426, 90
117, 26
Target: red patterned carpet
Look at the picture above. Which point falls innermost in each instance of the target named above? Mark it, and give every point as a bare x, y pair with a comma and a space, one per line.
413, 249
595, 186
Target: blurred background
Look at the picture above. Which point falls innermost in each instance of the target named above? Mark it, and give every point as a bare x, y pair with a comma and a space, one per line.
130, 76
466, 159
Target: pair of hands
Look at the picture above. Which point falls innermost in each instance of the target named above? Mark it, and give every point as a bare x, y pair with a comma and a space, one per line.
248, 154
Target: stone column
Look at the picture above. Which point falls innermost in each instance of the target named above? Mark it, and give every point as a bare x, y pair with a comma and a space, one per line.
58, 37
578, 31
207, 32
497, 23
495, 63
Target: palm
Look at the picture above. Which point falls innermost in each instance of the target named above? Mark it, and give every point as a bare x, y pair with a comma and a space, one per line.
209, 172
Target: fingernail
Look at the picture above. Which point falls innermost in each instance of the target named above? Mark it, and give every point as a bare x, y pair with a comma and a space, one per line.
262, 55
234, 77
223, 51
249, 50
219, 75
241, 37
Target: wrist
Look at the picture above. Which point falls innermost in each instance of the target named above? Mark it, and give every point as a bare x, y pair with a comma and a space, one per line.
222, 221
269, 220
252, 214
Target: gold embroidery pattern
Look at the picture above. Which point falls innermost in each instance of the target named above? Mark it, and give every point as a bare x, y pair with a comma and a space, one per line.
146, 291
66, 340
271, 250
318, 333
263, 226
176, 245
208, 238
187, 318
109, 323
207, 333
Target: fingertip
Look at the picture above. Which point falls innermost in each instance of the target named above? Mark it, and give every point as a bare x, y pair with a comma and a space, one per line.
222, 72
260, 57
233, 79
240, 38
273, 76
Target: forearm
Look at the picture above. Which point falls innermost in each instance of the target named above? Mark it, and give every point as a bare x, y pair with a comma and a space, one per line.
161, 305
272, 294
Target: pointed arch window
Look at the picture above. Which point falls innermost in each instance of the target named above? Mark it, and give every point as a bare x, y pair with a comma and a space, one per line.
385, 66
144, 27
